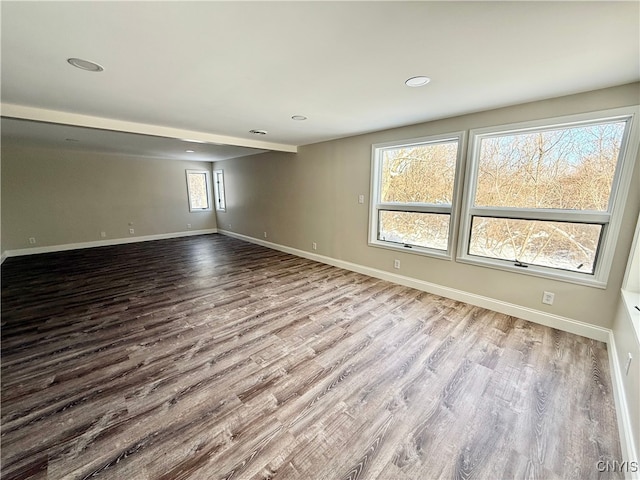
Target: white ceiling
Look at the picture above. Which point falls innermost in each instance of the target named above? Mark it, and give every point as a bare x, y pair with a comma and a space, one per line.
215, 70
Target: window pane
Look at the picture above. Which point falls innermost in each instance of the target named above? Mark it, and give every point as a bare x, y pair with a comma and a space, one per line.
419, 174
567, 246
569, 168
419, 229
220, 200
198, 190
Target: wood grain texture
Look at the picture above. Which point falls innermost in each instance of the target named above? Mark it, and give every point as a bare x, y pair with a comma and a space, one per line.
210, 358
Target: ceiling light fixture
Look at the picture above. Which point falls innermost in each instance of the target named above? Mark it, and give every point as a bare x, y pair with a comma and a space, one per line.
417, 81
85, 65
190, 151
258, 132
299, 117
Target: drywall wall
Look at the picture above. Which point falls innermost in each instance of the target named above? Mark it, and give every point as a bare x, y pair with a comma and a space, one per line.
64, 197
312, 196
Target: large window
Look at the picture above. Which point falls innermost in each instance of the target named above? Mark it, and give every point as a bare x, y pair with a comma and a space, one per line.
547, 198
414, 189
198, 190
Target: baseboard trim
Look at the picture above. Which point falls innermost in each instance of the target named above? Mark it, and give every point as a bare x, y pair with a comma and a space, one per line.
554, 321
102, 243
625, 427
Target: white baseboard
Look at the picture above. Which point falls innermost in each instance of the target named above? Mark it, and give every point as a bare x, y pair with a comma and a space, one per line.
101, 243
625, 427
554, 321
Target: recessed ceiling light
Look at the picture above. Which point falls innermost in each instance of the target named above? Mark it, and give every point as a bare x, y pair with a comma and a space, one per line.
298, 117
85, 65
190, 151
258, 132
417, 81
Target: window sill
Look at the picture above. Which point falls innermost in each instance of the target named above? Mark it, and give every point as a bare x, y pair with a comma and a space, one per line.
425, 252
534, 271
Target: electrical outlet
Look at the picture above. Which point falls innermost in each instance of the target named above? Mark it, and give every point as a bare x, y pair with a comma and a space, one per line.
360, 198
396, 264
265, 234
314, 245
548, 297
188, 226
626, 368
131, 231
103, 234
32, 240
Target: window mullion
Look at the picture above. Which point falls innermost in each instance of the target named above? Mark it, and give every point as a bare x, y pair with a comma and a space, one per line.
414, 207
575, 216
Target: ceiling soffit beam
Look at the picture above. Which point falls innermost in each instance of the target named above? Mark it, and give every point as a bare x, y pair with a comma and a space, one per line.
67, 118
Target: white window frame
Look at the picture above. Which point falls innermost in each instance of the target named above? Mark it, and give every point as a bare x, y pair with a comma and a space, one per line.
207, 175
219, 191
377, 205
611, 219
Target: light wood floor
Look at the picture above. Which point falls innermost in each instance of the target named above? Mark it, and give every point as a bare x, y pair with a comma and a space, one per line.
210, 358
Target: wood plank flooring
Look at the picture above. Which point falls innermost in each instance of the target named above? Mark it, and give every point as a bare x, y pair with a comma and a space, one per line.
211, 358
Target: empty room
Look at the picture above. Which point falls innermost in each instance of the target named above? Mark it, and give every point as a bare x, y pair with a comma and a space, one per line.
320, 240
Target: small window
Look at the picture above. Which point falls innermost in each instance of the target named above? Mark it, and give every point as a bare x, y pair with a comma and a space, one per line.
547, 198
218, 187
198, 190
414, 190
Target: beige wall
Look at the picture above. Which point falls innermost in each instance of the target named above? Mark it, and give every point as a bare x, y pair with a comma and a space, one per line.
63, 197
312, 197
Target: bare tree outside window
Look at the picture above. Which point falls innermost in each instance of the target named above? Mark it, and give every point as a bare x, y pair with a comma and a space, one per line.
419, 174
568, 246
422, 229
416, 186
572, 168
